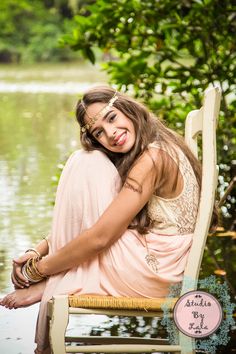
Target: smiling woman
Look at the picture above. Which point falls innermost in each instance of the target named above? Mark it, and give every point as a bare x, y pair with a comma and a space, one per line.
114, 130
127, 200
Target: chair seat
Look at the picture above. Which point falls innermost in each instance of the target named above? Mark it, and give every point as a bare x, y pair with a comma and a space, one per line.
124, 303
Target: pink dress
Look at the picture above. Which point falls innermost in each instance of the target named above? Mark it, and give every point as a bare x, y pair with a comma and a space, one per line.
88, 184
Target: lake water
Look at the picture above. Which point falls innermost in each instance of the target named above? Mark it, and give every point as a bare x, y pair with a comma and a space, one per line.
38, 131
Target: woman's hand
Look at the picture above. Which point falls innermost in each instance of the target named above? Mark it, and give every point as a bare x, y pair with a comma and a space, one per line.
17, 277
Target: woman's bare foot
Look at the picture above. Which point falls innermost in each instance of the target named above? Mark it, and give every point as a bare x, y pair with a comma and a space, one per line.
24, 297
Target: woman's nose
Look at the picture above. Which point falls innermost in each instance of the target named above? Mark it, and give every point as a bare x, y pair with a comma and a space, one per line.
111, 132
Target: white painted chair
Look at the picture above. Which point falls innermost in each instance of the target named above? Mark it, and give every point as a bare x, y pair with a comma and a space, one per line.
202, 121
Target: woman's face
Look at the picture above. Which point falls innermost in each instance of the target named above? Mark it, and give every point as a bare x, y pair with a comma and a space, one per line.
112, 128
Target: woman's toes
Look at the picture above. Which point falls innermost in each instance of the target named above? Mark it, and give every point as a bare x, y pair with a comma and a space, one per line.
7, 300
12, 300
10, 304
4, 300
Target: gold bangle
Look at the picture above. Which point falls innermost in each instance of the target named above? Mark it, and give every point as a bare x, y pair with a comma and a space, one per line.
27, 274
31, 272
33, 250
35, 268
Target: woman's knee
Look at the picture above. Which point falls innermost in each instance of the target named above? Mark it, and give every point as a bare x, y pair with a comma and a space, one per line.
97, 164
95, 172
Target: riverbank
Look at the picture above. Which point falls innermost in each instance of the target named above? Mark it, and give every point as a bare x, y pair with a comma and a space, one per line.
17, 330
60, 78
51, 72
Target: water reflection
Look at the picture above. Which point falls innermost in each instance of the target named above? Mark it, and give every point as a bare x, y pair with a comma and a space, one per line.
36, 133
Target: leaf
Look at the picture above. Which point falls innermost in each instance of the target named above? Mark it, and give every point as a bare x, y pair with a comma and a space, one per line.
89, 54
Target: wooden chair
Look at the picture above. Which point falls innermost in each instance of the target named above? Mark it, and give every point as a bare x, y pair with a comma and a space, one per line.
61, 307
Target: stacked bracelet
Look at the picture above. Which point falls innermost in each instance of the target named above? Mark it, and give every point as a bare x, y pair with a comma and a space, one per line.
31, 272
33, 250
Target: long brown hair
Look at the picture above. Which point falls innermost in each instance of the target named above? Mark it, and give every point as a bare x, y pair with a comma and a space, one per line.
147, 128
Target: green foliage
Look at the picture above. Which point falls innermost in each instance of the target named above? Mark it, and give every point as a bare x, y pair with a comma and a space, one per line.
168, 52
218, 259
30, 30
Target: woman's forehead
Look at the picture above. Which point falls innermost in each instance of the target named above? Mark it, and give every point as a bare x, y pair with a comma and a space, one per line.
96, 113
94, 108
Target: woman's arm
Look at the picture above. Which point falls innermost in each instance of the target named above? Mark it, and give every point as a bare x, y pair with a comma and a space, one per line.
17, 277
43, 246
111, 225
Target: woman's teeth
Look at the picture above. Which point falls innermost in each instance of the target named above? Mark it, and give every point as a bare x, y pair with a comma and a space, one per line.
121, 139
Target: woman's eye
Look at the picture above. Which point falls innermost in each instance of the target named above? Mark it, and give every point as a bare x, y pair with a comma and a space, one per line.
98, 134
111, 118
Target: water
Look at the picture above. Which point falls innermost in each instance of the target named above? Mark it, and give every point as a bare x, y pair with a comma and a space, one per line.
38, 131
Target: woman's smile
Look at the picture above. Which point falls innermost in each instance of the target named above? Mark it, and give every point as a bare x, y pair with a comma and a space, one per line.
121, 139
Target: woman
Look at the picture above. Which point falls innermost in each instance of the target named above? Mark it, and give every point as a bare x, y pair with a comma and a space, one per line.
124, 215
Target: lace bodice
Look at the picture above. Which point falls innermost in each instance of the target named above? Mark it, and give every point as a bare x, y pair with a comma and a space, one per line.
176, 215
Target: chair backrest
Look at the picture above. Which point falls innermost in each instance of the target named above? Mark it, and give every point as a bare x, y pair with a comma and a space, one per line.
204, 122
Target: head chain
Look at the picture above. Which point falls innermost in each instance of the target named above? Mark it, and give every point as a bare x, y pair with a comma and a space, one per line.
100, 113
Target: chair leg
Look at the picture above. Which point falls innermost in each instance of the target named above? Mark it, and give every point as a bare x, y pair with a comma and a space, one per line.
58, 324
187, 344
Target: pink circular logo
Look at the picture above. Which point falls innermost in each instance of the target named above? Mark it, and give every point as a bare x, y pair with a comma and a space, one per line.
197, 314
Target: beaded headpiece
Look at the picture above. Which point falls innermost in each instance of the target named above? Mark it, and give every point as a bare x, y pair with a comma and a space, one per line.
99, 114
